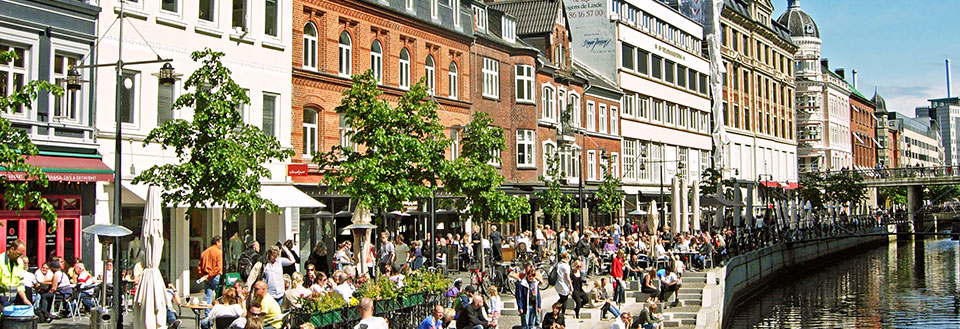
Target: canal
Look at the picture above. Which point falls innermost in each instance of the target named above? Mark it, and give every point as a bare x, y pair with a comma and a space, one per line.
906, 284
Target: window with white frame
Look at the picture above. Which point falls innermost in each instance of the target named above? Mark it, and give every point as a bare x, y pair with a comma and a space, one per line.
434, 9
682, 156
591, 116
614, 120
128, 96
629, 103
345, 67
208, 10
643, 161
548, 104
615, 165
643, 107
575, 116
454, 143
310, 46
344, 132
270, 114
525, 148
241, 15
452, 80
704, 160
657, 114
408, 4
562, 104
68, 106
166, 95
456, 12
404, 69
13, 74
682, 116
591, 165
509, 29
569, 162
271, 18
376, 60
480, 19
550, 152
491, 77
524, 83
602, 116
629, 159
671, 115
429, 70
309, 132
172, 6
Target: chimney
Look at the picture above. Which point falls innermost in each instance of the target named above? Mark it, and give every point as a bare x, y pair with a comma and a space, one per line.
825, 62
839, 71
948, 77
854, 78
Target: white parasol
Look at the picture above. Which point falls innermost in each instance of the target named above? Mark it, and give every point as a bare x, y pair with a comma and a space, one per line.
150, 303
653, 224
675, 206
696, 206
684, 207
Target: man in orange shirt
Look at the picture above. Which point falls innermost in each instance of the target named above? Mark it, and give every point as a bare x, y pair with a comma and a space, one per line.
211, 266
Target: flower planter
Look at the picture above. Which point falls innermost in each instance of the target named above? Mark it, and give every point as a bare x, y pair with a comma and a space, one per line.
385, 305
350, 313
413, 300
325, 318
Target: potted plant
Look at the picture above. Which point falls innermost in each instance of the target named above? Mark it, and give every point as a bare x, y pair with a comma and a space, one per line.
323, 309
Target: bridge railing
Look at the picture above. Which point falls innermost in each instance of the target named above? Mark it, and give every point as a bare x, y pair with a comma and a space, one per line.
902, 172
746, 239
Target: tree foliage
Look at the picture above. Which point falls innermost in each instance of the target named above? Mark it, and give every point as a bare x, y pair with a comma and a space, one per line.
222, 159
609, 198
400, 152
844, 188
894, 194
472, 176
15, 146
554, 202
711, 179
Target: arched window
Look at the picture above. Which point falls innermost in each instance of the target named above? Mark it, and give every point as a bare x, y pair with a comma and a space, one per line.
310, 46
549, 111
376, 60
429, 70
404, 68
309, 132
452, 74
345, 68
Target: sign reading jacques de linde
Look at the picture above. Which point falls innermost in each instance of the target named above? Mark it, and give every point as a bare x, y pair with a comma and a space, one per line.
594, 36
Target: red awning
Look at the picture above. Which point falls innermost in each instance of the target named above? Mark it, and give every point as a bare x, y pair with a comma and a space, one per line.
66, 169
792, 186
770, 184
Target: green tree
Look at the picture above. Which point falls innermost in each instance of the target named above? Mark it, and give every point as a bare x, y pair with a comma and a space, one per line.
15, 146
845, 188
554, 202
893, 194
222, 159
711, 179
400, 149
609, 198
472, 176
811, 189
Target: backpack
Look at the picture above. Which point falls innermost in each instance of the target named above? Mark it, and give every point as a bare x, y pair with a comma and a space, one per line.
552, 277
245, 263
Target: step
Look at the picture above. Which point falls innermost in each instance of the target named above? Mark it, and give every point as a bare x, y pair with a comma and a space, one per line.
688, 322
510, 312
690, 290
633, 285
671, 323
684, 315
509, 304
694, 280
691, 302
694, 275
691, 296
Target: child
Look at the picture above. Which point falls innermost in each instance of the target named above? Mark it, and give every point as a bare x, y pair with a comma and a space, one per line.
496, 305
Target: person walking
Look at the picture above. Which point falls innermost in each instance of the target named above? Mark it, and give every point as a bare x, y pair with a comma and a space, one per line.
564, 284
211, 266
580, 296
273, 271
496, 239
616, 271
528, 299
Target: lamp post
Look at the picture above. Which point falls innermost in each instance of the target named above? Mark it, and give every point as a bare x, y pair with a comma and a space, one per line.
167, 77
680, 166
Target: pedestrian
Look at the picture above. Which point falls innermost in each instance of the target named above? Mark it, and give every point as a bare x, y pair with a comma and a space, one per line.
580, 297
273, 271
387, 252
496, 239
367, 320
528, 299
495, 305
616, 271
289, 269
564, 284
210, 268
402, 252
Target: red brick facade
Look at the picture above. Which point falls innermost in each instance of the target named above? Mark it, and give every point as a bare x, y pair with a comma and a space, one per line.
863, 132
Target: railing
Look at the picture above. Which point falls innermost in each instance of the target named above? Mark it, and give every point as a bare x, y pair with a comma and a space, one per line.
903, 172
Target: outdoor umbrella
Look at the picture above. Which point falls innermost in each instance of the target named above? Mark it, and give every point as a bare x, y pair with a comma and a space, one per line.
809, 219
675, 206
696, 206
150, 303
684, 207
653, 224
793, 214
361, 229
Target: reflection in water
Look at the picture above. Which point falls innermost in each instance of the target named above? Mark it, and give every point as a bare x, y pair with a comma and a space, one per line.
908, 284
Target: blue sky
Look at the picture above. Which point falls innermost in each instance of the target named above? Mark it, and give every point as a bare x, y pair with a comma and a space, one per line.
895, 45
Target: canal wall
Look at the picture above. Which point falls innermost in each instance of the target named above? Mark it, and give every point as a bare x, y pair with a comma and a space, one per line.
748, 274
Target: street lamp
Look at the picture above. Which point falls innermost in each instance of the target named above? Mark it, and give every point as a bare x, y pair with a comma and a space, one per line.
167, 77
680, 166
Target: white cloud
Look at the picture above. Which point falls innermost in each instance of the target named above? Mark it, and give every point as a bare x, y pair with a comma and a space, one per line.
906, 100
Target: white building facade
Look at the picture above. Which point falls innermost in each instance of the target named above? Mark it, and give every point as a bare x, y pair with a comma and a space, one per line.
255, 35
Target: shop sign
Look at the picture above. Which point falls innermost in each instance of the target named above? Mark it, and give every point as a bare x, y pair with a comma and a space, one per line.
297, 169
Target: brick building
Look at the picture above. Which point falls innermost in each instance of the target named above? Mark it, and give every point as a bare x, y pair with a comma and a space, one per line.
863, 132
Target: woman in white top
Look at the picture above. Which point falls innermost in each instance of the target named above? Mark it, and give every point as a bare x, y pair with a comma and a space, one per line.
495, 306
564, 285
229, 308
297, 291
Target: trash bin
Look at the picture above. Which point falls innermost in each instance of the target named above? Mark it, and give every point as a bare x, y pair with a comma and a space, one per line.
101, 318
18, 317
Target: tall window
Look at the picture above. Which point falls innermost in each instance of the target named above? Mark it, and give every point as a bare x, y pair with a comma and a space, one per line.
643, 107
346, 60
454, 143
591, 116
452, 86
569, 162
550, 152
241, 14
66, 107
13, 74
509, 29
629, 159
310, 46
549, 104
626, 56
270, 115
591, 165
668, 71
271, 13
309, 132
128, 98
480, 19
165, 97
491, 78
408, 4
208, 10
602, 114
575, 117
434, 8
629, 102
170, 5
655, 65
524, 83
525, 148
404, 68
615, 165
671, 116
642, 57
614, 120
657, 110
344, 132
376, 60
429, 68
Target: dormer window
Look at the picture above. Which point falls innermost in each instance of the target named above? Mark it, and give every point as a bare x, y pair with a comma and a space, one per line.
509, 29
480, 19
808, 28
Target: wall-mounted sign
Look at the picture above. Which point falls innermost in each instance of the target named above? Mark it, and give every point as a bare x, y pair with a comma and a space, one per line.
297, 169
